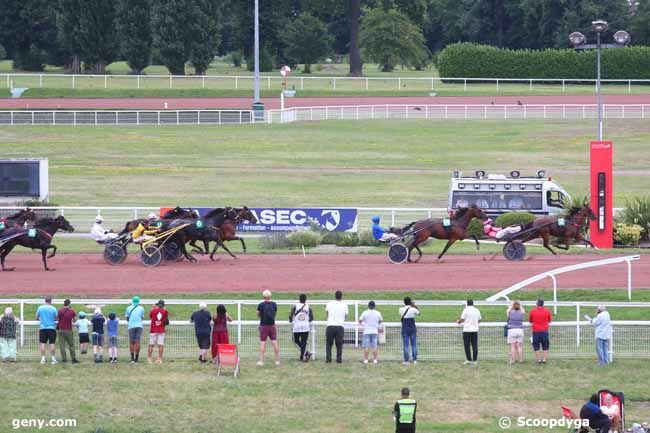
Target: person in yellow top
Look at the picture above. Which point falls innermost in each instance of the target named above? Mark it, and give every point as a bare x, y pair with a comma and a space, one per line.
145, 230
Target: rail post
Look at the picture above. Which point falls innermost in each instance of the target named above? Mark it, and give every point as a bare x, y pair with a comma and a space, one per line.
465, 85
629, 280
40, 81
577, 325
313, 341
302, 83
268, 82
531, 85
392, 217
73, 77
22, 323
334, 83
367, 84
629, 86
238, 322
399, 83
356, 320
554, 294
105, 81
432, 84
138, 82
203, 81
170, 82
562, 86
497, 84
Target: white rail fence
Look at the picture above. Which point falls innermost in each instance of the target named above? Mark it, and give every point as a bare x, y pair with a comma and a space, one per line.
436, 341
235, 82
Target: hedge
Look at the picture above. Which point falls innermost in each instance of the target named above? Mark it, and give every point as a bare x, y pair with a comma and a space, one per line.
467, 60
514, 219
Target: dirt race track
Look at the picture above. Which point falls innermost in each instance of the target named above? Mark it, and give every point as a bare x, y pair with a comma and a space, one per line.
87, 274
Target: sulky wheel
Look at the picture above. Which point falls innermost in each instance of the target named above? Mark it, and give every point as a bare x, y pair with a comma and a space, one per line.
171, 252
114, 254
514, 250
398, 253
151, 255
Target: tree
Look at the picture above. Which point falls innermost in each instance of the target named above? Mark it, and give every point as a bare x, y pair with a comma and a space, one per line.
97, 36
170, 20
306, 39
389, 38
67, 22
355, 52
495, 22
204, 34
133, 22
640, 24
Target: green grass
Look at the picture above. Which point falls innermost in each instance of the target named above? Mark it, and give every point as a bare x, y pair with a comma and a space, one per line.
344, 163
295, 397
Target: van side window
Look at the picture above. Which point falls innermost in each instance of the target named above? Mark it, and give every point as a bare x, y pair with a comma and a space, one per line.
554, 198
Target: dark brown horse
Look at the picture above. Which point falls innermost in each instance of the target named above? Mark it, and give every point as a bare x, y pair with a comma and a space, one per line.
18, 219
456, 230
227, 230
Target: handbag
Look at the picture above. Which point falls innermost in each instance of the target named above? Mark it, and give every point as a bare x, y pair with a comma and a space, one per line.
505, 328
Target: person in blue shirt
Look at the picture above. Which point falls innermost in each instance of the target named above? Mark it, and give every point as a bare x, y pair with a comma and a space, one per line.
46, 314
379, 233
603, 332
134, 315
597, 419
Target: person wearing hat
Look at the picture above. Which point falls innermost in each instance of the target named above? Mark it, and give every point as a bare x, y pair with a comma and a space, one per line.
134, 315
99, 233
404, 413
159, 320
146, 229
82, 324
603, 331
379, 233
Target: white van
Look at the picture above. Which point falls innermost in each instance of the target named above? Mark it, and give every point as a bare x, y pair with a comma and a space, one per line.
498, 193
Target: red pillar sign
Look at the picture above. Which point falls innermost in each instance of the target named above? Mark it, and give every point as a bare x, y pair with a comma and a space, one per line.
601, 230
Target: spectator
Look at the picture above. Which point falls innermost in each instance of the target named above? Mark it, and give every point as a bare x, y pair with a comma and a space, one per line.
603, 330
134, 315
112, 326
470, 319
592, 413
82, 325
159, 320
8, 324
613, 412
370, 319
515, 337
65, 318
98, 321
404, 413
201, 319
46, 314
266, 311
540, 318
220, 329
407, 315
337, 312
301, 317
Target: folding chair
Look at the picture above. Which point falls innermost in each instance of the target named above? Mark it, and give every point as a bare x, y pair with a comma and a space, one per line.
619, 399
227, 356
570, 415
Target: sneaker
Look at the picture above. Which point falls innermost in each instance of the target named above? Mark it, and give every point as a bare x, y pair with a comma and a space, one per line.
365, 361
415, 362
259, 363
467, 362
132, 361
307, 356
54, 361
543, 361
74, 361
405, 363
374, 361
277, 362
42, 360
159, 361
150, 361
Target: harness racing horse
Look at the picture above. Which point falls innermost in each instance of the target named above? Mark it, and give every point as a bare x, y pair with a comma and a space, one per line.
227, 230
38, 237
176, 213
435, 228
18, 219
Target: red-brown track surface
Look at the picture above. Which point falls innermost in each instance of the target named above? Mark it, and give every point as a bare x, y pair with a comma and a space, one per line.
87, 274
274, 103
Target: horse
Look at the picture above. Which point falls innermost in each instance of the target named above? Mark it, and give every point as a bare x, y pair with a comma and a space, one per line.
38, 237
227, 230
435, 228
176, 213
18, 219
568, 229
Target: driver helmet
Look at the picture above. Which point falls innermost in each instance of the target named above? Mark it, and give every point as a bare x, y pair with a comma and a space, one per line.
375, 219
152, 216
99, 219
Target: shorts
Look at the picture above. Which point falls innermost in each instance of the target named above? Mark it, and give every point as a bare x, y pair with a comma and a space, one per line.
98, 339
157, 338
135, 334
515, 336
268, 331
47, 336
203, 340
540, 339
112, 342
369, 341
83, 338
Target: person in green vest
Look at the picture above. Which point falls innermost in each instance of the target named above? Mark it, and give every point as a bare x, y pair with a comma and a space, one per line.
404, 413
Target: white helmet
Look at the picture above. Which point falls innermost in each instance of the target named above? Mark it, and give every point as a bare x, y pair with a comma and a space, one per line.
152, 216
99, 219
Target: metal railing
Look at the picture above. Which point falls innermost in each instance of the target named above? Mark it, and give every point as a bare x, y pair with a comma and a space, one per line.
331, 83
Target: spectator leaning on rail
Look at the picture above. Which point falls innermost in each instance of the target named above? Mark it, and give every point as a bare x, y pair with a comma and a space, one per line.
379, 233
515, 334
159, 320
370, 319
220, 329
404, 413
337, 312
266, 311
201, 319
470, 319
98, 321
134, 315
540, 319
301, 316
8, 324
46, 315
603, 330
407, 315
99, 233
65, 318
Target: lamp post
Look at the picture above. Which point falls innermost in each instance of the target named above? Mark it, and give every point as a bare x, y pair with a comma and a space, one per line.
577, 39
256, 97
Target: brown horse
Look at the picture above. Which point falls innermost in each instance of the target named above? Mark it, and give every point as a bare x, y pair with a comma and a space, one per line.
18, 219
436, 228
568, 230
226, 231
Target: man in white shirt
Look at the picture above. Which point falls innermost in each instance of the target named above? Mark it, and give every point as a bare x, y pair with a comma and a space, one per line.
99, 234
337, 312
370, 319
470, 319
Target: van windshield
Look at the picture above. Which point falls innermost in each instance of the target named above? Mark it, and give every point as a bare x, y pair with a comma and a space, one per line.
555, 199
501, 200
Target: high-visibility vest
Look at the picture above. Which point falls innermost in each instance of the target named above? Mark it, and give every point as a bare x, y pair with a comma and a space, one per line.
406, 411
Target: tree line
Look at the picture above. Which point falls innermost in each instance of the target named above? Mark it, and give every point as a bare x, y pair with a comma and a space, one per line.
87, 35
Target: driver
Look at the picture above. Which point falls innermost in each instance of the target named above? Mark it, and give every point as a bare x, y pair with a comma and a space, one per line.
99, 233
145, 230
498, 232
379, 233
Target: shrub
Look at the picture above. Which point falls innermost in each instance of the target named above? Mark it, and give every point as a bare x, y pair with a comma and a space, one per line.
308, 239
340, 239
274, 241
637, 211
366, 239
627, 234
514, 218
475, 228
236, 58
3, 52
266, 61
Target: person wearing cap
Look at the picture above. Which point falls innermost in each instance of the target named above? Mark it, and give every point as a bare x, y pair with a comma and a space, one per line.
98, 321
134, 315
603, 330
379, 233
82, 325
201, 319
99, 233
145, 230
266, 311
404, 413
46, 315
8, 324
159, 320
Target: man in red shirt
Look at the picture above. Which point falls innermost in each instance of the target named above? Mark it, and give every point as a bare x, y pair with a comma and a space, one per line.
159, 320
65, 318
540, 319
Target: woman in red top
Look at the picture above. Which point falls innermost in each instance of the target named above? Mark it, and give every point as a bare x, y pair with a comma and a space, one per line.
220, 329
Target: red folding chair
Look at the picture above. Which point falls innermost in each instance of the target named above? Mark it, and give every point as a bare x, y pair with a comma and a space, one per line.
227, 356
570, 415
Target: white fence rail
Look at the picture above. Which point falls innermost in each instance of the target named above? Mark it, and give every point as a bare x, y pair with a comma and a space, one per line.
333, 83
459, 112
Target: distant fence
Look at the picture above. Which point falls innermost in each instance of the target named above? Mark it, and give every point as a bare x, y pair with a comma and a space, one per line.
332, 83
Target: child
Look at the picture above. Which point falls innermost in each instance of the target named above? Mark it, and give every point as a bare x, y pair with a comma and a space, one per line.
220, 329
111, 327
82, 324
98, 335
